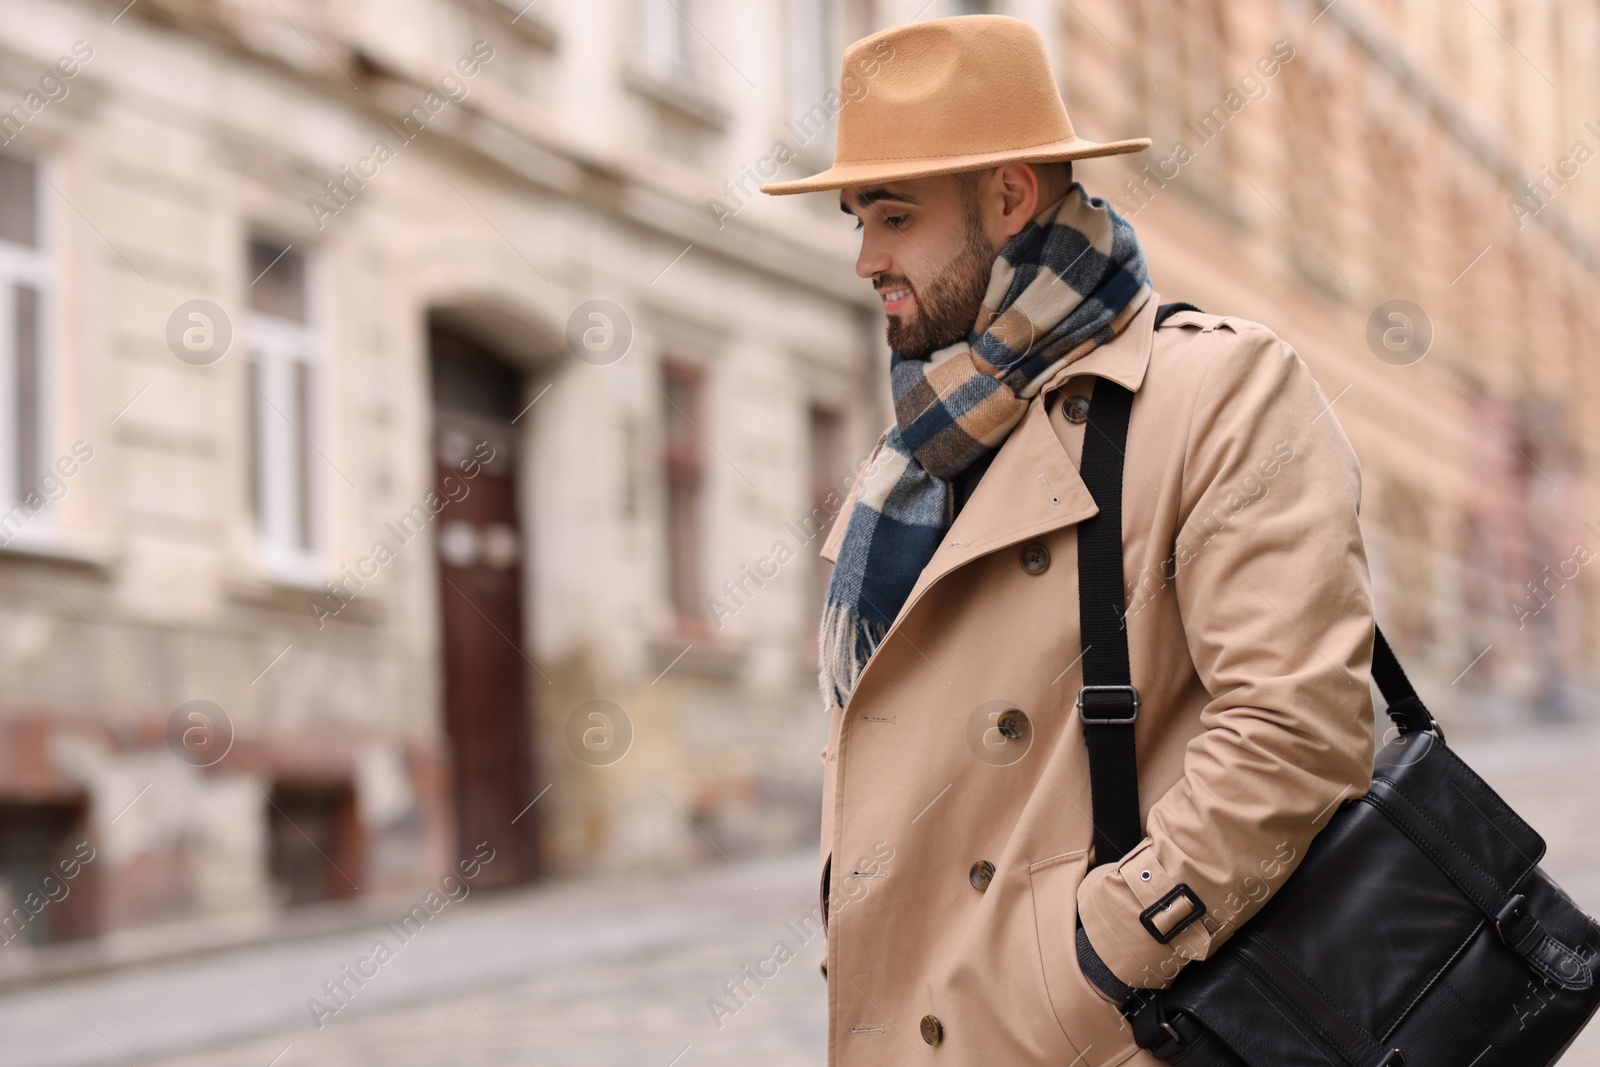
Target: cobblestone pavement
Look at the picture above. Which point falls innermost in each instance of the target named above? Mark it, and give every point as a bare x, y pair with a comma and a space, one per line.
612, 973
598, 974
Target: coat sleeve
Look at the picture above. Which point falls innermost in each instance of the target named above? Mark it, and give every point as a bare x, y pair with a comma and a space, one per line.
1276, 602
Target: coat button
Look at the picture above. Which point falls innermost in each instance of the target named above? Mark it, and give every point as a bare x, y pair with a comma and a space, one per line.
981, 875
1075, 408
1035, 559
932, 1030
1013, 725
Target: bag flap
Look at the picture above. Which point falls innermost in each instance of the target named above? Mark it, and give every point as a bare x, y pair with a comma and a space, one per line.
1484, 841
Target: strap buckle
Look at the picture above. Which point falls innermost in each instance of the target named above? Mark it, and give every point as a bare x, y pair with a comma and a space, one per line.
1164, 1032
1147, 916
1115, 698
1514, 909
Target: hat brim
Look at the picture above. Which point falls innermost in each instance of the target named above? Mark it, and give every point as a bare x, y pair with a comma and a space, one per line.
841, 175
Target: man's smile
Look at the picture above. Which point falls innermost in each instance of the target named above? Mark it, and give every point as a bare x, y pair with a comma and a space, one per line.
896, 299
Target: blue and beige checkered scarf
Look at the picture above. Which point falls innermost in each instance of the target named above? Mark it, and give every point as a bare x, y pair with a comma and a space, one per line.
1070, 281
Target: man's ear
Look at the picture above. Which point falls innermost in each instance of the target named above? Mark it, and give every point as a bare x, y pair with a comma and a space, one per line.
1020, 191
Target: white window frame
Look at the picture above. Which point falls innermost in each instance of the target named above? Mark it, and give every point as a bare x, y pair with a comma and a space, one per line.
28, 266
665, 46
276, 347
812, 69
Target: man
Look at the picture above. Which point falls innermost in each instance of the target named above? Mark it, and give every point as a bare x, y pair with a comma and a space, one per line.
977, 911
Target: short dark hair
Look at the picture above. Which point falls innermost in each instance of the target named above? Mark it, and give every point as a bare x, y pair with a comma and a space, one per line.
1056, 175
1055, 178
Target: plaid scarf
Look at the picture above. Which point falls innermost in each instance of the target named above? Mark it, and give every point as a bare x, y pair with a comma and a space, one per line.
1070, 281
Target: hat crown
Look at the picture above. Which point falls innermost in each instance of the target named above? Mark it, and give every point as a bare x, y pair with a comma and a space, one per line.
946, 96
971, 85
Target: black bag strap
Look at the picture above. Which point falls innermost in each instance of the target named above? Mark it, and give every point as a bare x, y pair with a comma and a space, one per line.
1166, 311
1108, 704
1405, 707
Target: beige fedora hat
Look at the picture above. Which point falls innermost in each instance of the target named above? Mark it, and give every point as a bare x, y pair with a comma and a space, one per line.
949, 95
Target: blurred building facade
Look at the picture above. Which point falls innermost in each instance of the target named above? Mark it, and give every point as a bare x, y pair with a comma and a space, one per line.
419, 432
1403, 191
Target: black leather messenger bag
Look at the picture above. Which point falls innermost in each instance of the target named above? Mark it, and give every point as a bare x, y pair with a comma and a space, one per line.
1418, 928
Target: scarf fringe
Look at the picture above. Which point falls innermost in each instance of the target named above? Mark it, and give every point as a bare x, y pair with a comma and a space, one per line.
845, 642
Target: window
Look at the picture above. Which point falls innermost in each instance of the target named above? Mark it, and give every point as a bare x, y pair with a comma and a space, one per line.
681, 388
664, 32
45, 853
313, 842
22, 304
285, 470
811, 64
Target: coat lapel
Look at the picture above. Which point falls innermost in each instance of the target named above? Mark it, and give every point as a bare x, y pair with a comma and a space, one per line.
1031, 488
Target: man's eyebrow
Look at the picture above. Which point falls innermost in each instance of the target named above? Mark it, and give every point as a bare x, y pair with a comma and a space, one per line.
868, 197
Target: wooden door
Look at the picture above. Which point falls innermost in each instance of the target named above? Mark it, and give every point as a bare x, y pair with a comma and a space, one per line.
479, 542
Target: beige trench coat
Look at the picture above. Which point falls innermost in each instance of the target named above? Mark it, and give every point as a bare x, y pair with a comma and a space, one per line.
1250, 632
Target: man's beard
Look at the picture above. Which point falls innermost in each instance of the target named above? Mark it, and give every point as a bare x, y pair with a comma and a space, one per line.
947, 307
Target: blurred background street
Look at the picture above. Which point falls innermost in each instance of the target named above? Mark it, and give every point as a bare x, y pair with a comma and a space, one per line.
609, 973
416, 436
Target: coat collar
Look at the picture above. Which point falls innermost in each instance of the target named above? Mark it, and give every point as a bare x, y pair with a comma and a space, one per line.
1124, 360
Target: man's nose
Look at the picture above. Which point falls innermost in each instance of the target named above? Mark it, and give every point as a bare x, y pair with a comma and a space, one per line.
873, 260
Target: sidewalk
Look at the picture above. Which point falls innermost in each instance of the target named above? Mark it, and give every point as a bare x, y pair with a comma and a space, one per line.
583, 973
611, 973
